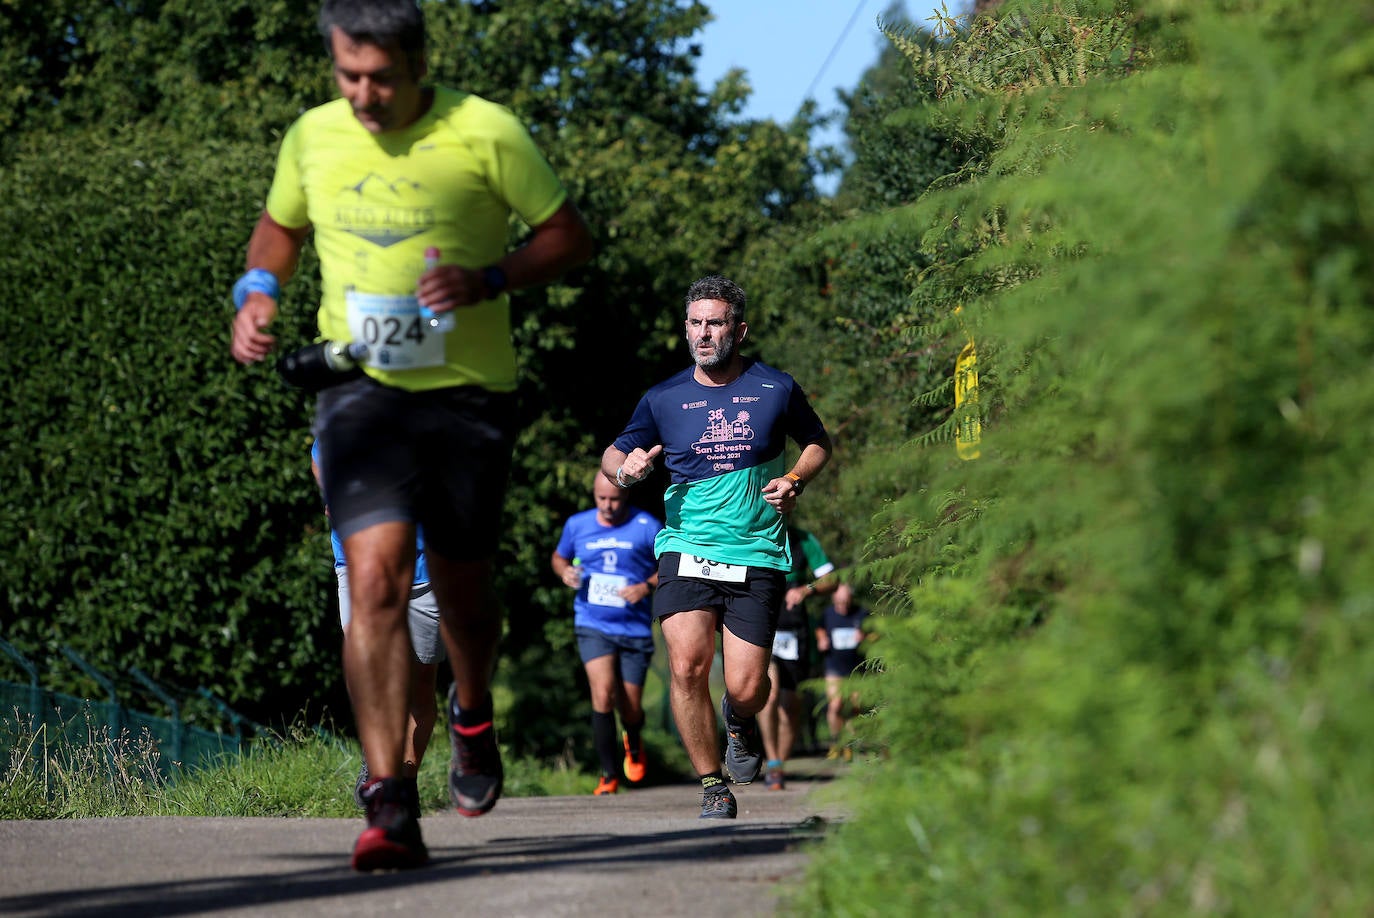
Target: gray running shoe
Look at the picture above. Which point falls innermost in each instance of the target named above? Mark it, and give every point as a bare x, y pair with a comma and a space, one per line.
718, 803
363, 778
475, 772
743, 746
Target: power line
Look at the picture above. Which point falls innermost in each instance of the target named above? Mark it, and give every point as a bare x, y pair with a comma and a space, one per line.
854, 17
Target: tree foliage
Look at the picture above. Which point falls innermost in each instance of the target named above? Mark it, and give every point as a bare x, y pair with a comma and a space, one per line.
1123, 650
157, 497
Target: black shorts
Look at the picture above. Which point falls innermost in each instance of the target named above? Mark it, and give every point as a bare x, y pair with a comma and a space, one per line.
749, 609
439, 459
793, 670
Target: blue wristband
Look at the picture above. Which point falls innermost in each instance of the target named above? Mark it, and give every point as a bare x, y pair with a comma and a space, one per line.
255, 280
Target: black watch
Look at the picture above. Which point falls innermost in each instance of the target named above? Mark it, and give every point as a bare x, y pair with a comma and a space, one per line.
493, 281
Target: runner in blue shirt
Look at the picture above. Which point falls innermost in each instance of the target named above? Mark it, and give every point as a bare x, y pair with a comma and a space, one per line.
721, 427
606, 554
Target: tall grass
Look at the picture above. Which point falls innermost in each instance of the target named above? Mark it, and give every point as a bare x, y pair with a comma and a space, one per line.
303, 772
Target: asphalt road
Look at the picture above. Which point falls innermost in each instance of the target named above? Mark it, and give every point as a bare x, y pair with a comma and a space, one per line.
640, 854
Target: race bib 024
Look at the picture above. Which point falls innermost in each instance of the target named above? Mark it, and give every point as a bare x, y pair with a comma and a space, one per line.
391, 328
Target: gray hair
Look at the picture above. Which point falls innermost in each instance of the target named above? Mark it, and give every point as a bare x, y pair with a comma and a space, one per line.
716, 287
377, 22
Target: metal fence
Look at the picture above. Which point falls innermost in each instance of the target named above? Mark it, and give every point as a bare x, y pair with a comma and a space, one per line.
30, 711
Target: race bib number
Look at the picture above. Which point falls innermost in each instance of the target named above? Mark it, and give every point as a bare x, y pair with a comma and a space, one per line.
703, 569
604, 590
786, 646
391, 327
845, 638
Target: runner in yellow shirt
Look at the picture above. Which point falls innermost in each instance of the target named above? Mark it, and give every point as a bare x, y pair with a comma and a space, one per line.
382, 177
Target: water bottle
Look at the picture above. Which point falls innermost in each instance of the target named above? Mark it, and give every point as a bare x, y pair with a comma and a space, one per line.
323, 364
581, 574
444, 322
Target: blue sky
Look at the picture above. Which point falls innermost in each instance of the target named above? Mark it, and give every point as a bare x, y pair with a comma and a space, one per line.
789, 46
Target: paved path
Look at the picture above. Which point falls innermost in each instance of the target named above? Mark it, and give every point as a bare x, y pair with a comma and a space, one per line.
639, 854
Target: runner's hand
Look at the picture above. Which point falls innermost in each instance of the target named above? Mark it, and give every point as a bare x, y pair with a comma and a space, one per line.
249, 340
638, 464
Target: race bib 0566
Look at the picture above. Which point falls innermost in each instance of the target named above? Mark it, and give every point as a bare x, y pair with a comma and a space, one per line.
604, 590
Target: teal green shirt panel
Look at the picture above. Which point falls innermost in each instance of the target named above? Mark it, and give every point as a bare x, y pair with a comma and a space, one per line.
813, 559
726, 518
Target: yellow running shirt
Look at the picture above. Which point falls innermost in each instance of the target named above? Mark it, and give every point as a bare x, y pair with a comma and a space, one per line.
377, 201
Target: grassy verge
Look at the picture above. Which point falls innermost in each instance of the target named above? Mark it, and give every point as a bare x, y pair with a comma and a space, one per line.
303, 772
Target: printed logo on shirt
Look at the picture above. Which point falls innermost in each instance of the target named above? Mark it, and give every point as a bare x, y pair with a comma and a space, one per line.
725, 442
384, 215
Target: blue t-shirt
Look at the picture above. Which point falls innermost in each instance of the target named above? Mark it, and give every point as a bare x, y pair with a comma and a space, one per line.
611, 557
721, 445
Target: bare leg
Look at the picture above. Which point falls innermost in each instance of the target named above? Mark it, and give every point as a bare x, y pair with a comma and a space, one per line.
746, 674
769, 717
631, 700
789, 716
834, 709
691, 641
470, 622
602, 682
377, 651
424, 712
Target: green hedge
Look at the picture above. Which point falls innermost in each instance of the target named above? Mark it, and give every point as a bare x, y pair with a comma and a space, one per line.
155, 498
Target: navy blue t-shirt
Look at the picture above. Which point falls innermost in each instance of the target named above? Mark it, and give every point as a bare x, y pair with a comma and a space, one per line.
721, 445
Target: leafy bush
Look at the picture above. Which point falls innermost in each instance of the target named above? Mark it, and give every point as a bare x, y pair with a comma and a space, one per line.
157, 501
1123, 649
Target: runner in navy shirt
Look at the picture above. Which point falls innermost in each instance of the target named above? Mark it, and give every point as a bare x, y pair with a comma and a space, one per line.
721, 428
606, 554
839, 638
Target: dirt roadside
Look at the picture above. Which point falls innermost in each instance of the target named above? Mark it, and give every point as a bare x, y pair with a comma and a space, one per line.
639, 854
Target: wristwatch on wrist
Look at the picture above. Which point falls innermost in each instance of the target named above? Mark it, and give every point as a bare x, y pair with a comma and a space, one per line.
798, 485
493, 281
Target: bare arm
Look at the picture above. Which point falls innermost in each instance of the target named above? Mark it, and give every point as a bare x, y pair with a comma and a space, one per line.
627, 469
555, 246
566, 571
273, 248
821, 586
783, 492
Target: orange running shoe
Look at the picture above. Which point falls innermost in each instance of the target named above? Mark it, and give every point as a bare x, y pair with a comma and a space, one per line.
633, 766
606, 786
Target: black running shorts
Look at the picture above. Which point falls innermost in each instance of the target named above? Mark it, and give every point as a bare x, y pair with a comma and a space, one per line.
791, 673
439, 459
748, 608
